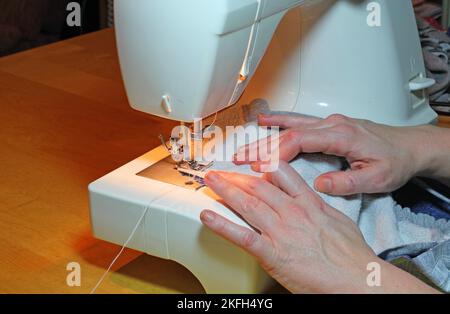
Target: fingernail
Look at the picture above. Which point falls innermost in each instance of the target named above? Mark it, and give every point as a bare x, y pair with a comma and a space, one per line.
207, 216
241, 155
262, 116
255, 166
212, 177
325, 185
264, 166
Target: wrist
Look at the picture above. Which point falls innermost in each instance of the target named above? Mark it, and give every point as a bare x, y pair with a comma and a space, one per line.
397, 281
359, 278
381, 277
431, 151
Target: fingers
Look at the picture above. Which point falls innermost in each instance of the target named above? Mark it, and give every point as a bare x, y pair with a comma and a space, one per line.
271, 195
251, 208
312, 141
304, 134
293, 142
309, 141
348, 182
286, 121
260, 149
245, 238
265, 145
290, 181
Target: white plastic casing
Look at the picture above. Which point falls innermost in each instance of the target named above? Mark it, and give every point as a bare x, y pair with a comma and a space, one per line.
172, 228
189, 59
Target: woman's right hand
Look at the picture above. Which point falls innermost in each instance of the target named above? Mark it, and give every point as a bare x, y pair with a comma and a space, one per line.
381, 158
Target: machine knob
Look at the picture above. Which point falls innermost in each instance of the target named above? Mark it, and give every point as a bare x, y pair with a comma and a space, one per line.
420, 83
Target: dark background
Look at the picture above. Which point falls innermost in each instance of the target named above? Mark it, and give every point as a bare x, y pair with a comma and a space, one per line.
26, 24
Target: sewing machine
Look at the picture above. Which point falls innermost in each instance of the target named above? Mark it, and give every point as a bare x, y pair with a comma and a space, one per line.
184, 60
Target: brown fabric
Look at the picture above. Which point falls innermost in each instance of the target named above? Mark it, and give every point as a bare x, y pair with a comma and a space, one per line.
26, 15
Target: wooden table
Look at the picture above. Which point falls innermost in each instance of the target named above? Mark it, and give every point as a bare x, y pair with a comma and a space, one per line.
65, 121
444, 121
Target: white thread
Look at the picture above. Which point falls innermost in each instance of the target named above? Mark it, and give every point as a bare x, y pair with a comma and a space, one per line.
130, 237
121, 250
430, 190
212, 124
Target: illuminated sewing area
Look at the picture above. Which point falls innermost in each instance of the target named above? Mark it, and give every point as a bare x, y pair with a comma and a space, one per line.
310, 57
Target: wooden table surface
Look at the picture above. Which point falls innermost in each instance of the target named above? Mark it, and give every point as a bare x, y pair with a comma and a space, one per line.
444, 121
65, 121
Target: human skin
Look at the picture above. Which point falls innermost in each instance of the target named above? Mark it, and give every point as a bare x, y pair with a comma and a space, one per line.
302, 242
381, 158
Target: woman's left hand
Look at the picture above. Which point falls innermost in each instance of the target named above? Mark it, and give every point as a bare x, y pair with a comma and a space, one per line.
303, 243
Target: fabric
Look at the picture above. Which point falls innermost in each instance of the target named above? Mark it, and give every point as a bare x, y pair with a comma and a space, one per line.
384, 224
437, 68
436, 50
429, 262
416, 198
426, 10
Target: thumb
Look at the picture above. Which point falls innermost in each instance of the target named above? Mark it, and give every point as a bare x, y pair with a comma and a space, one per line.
341, 183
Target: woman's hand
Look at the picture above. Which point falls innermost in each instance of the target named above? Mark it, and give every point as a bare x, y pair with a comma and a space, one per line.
381, 158
303, 243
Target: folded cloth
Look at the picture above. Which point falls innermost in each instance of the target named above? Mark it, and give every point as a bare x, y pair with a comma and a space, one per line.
425, 9
436, 52
384, 224
437, 68
420, 199
429, 262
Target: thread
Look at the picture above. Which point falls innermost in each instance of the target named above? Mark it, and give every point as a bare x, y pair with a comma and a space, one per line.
121, 251
430, 190
130, 237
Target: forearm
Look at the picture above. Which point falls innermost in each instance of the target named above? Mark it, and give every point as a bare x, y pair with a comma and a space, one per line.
396, 281
391, 280
433, 152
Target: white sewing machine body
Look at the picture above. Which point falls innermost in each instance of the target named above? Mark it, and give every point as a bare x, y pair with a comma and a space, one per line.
184, 60
188, 59
171, 229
